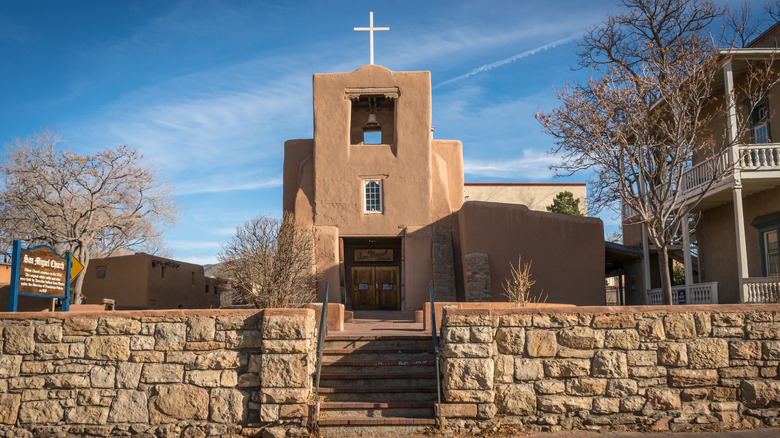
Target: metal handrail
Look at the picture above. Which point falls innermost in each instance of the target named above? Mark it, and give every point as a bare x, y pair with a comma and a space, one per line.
323, 331
435, 351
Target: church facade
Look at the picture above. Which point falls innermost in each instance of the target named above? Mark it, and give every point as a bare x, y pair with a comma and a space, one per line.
386, 202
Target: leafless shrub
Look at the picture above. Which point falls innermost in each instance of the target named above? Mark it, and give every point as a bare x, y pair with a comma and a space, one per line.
270, 263
518, 286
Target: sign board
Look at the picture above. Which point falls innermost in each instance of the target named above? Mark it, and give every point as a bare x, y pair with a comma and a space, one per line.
681, 297
75, 266
39, 272
373, 255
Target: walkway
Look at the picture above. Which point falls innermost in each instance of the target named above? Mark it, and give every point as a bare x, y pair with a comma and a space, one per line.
381, 323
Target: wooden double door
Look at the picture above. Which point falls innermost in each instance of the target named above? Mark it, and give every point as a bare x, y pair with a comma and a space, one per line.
375, 287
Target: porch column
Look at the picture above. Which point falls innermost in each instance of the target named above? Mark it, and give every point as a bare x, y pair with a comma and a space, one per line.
739, 222
645, 260
687, 264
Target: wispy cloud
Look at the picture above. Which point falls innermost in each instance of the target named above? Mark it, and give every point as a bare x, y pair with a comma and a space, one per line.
209, 188
533, 165
491, 66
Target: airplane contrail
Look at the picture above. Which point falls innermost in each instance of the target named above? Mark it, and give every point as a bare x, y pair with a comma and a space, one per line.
497, 64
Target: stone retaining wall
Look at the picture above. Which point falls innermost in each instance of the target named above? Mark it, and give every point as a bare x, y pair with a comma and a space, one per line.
612, 368
165, 373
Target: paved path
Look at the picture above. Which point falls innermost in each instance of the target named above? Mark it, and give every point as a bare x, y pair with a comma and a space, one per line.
756, 433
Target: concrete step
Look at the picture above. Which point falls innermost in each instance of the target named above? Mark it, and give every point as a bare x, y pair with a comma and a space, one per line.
354, 430
355, 370
424, 409
399, 393
377, 354
353, 342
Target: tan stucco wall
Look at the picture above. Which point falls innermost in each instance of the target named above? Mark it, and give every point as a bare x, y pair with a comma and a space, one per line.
534, 196
132, 281
717, 242
567, 252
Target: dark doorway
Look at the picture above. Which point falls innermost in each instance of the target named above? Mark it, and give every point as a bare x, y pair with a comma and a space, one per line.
372, 267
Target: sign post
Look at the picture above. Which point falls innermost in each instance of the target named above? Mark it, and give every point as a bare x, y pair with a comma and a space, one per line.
39, 272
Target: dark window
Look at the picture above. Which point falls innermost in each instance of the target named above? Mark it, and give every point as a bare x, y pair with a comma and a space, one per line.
100, 271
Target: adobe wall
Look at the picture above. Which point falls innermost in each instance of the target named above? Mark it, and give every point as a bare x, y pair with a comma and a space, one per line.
661, 367
535, 196
567, 252
166, 373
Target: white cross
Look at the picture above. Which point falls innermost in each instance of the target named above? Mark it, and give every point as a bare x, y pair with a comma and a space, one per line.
370, 29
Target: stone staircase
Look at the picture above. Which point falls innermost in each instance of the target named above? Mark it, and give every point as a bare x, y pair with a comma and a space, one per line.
377, 385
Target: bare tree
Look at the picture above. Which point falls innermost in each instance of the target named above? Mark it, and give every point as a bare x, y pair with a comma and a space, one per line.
649, 108
270, 262
92, 205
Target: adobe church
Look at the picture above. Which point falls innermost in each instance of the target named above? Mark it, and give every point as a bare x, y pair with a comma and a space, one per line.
386, 202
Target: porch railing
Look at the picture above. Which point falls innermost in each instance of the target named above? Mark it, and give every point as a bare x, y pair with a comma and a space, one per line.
699, 293
703, 172
760, 157
760, 290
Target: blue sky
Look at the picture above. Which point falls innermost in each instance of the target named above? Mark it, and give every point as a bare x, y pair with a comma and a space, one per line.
210, 90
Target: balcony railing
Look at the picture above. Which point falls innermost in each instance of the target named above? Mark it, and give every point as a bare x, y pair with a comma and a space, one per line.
760, 157
699, 293
760, 290
703, 172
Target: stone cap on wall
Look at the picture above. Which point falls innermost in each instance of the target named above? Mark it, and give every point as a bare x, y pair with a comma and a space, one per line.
157, 313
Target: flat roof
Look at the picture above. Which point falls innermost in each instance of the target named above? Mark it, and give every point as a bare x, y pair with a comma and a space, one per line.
523, 184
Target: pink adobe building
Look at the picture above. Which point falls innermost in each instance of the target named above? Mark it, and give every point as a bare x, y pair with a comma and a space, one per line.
386, 202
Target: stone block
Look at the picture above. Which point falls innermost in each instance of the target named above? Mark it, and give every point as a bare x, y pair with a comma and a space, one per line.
30, 367
201, 329
708, 353
118, 326
611, 364
228, 406
646, 372
703, 324
633, 403
128, 375
563, 404
79, 326
771, 350
680, 326
672, 354
458, 410
77, 350
555, 320
603, 405
642, 358
683, 377
528, 369
287, 327
620, 320
620, 388
510, 340
41, 412
763, 330
761, 393
142, 342
20, 383
19, 339
237, 322
284, 395
102, 376
217, 360
728, 332
484, 335
248, 380
51, 351
456, 334
299, 410
283, 346
114, 348
269, 413
664, 399
468, 396
586, 386
693, 394
581, 338
9, 408
738, 373
162, 373
67, 381
172, 403
651, 330
468, 374
566, 367
48, 333
574, 352
627, 339
516, 320
10, 365
204, 378
515, 399
541, 343
170, 336
467, 350
728, 319
550, 386
745, 349
229, 378
284, 370
86, 415
204, 346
